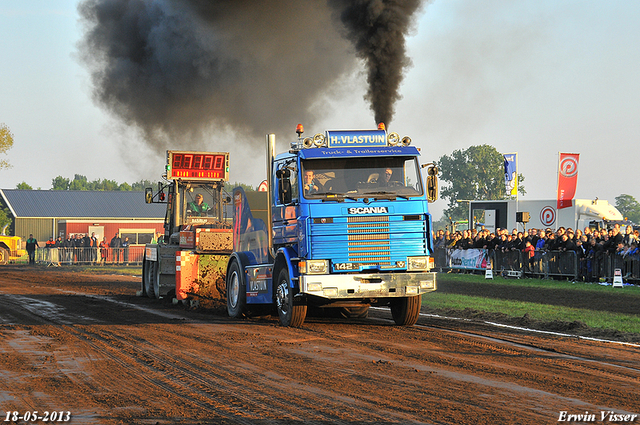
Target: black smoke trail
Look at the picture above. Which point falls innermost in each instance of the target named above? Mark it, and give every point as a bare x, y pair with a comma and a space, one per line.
177, 70
377, 29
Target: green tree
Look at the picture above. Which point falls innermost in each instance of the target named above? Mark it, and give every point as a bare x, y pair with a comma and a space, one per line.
628, 207
110, 185
23, 186
5, 217
476, 173
104, 185
79, 182
6, 143
60, 183
142, 184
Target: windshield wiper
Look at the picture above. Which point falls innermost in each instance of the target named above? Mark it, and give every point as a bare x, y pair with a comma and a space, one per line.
328, 196
390, 195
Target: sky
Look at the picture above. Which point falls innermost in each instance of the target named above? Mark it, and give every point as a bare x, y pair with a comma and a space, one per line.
532, 77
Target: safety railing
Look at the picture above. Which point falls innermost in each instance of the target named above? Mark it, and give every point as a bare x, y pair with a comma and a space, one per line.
543, 264
132, 255
506, 260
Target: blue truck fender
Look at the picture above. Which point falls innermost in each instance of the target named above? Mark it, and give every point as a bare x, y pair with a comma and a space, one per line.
243, 261
287, 257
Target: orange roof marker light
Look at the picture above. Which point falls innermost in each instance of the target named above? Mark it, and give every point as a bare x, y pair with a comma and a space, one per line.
381, 126
297, 145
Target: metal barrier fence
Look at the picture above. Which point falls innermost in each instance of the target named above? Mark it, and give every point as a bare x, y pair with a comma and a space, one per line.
549, 264
544, 264
132, 255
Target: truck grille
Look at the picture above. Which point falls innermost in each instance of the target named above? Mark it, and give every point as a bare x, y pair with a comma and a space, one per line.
369, 240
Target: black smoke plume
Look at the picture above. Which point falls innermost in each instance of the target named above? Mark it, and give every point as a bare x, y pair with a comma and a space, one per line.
178, 70
377, 29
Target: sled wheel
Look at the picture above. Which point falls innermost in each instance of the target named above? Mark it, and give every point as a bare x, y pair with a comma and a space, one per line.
148, 278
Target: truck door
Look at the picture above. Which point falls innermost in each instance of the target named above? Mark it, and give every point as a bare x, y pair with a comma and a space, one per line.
285, 202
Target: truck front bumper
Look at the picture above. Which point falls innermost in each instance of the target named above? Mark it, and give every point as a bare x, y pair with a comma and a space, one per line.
374, 285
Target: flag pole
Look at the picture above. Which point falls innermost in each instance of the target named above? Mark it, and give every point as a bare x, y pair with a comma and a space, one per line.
524, 226
557, 188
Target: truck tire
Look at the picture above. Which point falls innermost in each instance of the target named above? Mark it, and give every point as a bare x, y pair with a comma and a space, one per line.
406, 310
149, 277
156, 281
4, 256
236, 291
143, 281
292, 311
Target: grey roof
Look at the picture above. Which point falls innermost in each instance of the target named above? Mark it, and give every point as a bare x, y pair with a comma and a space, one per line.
80, 204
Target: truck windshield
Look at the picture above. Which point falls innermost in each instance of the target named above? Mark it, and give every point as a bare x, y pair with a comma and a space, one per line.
369, 177
199, 204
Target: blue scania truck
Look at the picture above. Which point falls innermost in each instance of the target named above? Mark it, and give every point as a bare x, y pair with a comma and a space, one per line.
347, 226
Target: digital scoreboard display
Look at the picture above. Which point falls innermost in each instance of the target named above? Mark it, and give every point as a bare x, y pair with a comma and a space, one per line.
198, 165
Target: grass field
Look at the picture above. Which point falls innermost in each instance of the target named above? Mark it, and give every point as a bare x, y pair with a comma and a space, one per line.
593, 305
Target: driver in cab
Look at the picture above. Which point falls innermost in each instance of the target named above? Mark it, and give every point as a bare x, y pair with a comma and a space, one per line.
198, 207
311, 184
385, 179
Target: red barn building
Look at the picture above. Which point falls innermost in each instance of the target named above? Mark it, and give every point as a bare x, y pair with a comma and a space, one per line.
53, 213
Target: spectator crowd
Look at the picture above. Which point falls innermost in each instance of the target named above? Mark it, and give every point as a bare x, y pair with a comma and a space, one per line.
84, 249
590, 246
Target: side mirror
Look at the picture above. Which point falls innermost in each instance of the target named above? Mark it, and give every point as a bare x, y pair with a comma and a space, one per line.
284, 186
432, 183
148, 195
283, 173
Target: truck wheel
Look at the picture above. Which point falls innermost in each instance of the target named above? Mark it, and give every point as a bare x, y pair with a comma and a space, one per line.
156, 281
149, 277
4, 256
405, 311
292, 311
236, 291
143, 281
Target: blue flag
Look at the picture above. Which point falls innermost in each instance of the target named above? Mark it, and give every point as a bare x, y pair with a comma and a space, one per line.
511, 173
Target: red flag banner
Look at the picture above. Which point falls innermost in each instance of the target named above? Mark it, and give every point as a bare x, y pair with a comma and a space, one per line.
567, 178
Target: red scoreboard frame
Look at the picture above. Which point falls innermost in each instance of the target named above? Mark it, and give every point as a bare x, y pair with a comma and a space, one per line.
188, 165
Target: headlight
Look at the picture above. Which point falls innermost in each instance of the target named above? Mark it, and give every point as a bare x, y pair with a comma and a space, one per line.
330, 292
314, 266
411, 290
418, 263
393, 139
319, 140
314, 287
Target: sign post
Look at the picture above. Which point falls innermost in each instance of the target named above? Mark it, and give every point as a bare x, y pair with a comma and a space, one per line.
617, 278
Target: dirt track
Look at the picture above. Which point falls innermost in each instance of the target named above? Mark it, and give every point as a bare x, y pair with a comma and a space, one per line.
87, 345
